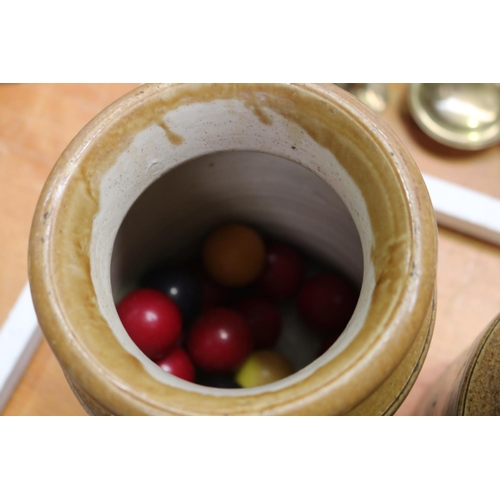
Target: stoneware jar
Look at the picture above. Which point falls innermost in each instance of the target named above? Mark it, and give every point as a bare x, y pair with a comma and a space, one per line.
308, 164
470, 385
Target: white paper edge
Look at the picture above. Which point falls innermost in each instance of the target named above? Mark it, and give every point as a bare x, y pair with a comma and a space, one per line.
465, 210
20, 336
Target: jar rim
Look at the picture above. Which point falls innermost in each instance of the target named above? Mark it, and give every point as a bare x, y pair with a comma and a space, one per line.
411, 281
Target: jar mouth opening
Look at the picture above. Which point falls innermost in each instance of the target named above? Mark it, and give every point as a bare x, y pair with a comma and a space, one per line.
284, 201
93, 189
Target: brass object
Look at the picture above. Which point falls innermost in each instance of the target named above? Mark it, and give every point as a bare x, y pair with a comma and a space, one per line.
460, 115
374, 95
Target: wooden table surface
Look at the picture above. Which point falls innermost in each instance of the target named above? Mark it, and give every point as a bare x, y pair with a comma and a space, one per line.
38, 121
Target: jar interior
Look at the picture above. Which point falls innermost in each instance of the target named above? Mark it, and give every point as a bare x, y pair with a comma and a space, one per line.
283, 200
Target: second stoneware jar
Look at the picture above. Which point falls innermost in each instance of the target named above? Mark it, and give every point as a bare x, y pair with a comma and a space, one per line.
306, 163
470, 385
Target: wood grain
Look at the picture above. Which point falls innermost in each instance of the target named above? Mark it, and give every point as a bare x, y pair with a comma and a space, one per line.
468, 270
38, 121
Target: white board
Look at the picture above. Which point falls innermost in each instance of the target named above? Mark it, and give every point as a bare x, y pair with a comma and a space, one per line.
19, 338
465, 210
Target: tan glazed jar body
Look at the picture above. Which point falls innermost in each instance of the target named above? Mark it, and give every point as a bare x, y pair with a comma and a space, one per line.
152, 173
470, 385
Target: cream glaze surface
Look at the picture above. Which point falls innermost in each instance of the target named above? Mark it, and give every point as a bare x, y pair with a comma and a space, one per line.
403, 250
